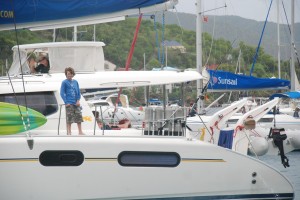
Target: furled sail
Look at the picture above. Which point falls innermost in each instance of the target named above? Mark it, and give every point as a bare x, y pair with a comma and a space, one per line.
47, 14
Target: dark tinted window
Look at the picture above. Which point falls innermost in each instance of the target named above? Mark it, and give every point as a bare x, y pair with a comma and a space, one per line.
231, 121
101, 104
61, 158
265, 120
148, 159
43, 102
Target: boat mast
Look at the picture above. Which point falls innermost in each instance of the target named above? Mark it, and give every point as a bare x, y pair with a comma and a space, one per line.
199, 54
54, 35
75, 34
292, 64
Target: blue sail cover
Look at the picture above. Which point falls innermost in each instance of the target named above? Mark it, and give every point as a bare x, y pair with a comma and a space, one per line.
223, 80
291, 95
35, 11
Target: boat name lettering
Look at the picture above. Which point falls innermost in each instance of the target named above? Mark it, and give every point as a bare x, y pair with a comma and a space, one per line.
226, 81
6, 14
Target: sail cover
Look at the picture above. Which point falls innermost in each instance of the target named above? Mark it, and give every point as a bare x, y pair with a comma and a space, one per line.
33, 13
227, 81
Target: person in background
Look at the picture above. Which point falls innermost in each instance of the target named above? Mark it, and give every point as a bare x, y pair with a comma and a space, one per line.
192, 109
70, 93
31, 63
43, 66
296, 112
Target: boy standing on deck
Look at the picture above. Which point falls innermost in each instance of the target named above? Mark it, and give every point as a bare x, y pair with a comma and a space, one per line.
70, 93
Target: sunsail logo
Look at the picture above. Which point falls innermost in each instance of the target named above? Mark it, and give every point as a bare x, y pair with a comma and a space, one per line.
223, 81
6, 14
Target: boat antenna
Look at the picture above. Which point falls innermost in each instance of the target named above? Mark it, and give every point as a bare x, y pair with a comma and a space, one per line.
225, 6
26, 127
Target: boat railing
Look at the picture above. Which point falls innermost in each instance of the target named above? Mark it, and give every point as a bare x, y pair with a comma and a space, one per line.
165, 122
157, 121
112, 115
95, 119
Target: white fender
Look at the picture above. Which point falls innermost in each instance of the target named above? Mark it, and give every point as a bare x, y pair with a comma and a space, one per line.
259, 146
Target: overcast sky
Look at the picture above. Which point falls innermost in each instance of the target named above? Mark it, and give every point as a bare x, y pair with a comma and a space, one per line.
250, 9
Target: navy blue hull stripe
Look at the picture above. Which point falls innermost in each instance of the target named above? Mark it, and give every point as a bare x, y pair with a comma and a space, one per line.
237, 196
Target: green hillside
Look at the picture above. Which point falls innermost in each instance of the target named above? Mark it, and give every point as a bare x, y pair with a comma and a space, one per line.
236, 29
118, 36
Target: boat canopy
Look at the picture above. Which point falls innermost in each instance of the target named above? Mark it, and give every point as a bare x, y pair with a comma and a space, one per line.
82, 56
226, 81
49, 14
288, 95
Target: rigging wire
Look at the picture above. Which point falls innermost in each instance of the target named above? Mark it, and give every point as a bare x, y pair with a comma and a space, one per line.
129, 57
160, 51
156, 38
204, 90
293, 42
212, 41
257, 49
176, 14
163, 40
26, 127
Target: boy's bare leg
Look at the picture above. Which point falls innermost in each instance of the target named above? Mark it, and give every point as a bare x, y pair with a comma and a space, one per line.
68, 129
80, 129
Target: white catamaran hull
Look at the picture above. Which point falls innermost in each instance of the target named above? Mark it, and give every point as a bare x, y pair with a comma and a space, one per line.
132, 168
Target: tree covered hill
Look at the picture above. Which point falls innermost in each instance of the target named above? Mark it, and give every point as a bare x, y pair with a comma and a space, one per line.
118, 37
236, 29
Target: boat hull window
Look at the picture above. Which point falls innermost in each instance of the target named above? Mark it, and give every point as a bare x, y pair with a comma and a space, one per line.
232, 121
148, 159
265, 120
61, 158
43, 102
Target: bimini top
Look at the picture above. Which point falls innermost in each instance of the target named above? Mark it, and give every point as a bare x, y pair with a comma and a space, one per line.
82, 56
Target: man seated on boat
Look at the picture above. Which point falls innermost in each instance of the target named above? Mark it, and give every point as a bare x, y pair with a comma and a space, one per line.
103, 125
43, 66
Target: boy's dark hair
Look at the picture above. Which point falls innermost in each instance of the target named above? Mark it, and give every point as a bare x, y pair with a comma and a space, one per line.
69, 69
